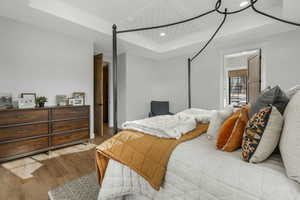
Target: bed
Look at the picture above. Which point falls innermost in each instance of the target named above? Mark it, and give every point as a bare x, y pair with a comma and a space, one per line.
196, 170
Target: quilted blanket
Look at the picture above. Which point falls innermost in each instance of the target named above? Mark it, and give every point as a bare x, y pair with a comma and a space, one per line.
166, 126
197, 171
147, 155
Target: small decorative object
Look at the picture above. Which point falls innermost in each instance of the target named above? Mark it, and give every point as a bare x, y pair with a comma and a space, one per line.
71, 101
79, 95
61, 100
30, 97
5, 101
76, 102
23, 103
41, 101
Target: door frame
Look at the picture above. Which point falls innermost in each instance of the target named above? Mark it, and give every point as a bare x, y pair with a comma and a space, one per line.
260, 73
100, 103
227, 51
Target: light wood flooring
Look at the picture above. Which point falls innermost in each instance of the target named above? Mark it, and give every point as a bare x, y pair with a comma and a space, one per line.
54, 172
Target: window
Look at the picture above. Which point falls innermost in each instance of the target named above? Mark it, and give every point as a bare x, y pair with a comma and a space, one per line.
237, 87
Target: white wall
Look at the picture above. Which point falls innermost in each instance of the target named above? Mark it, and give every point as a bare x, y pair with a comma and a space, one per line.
280, 66
43, 62
282, 54
122, 89
142, 80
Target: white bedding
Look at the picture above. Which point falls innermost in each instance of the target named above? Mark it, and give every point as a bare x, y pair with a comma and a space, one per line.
197, 171
166, 126
200, 115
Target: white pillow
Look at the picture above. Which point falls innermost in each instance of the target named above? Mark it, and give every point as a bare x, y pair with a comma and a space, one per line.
217, 119
290, 139
292, 91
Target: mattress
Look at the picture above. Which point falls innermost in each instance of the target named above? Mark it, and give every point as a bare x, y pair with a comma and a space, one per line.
196, 170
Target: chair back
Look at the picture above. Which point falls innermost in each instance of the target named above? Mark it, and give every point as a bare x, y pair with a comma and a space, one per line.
160, 107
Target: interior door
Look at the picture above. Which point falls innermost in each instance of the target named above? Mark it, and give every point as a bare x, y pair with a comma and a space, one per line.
98, 95
254, 77
105, 92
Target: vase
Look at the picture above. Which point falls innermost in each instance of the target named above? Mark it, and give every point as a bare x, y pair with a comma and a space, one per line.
41, 105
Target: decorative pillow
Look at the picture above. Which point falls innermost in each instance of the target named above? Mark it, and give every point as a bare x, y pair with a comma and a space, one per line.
234, 142
292, 91
262, 135
290, 139
226, 130
217, 119
274, 96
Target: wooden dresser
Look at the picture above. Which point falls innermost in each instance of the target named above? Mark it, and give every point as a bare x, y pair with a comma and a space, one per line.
25, 132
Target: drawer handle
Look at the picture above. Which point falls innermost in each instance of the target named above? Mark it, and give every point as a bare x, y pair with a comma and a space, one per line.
20, 116
22, 131
68, 137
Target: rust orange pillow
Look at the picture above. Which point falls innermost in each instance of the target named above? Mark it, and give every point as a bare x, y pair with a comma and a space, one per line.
226, 130
234, 142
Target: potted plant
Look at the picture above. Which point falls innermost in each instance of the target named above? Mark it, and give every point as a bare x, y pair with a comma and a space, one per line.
41, 101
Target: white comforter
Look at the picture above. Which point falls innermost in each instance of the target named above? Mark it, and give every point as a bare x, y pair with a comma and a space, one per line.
200, 115
197, 171
166, 126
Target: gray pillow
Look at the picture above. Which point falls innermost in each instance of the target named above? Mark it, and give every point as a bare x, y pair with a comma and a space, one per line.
274, 96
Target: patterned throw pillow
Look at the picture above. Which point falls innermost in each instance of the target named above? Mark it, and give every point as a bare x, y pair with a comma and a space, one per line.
262, 135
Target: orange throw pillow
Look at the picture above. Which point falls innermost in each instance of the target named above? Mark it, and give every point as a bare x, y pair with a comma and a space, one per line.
226, 130
234, 142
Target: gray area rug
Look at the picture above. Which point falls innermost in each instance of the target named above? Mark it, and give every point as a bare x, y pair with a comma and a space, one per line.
84, 188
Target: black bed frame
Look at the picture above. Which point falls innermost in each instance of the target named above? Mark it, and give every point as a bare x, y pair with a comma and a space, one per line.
217, 9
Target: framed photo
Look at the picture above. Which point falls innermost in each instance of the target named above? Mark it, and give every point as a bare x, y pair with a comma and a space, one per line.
5, 101
24, 103
79, 95
62, 100
76, 102
30, 98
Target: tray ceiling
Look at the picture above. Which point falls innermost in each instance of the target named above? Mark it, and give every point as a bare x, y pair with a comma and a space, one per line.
141, 13
92, 20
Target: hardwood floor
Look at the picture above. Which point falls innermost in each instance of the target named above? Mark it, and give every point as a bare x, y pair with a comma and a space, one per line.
53, 173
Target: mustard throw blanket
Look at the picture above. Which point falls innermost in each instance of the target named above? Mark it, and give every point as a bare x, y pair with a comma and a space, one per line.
145, 154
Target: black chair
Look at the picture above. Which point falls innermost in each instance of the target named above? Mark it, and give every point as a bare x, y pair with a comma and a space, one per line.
159, 108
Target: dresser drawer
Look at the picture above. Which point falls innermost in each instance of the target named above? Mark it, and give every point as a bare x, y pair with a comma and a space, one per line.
23, 131
26, 146
70, 125
69, 113
69, 137
22, 116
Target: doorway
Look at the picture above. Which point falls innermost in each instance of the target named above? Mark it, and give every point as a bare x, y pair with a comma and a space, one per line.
242, 77
101, 95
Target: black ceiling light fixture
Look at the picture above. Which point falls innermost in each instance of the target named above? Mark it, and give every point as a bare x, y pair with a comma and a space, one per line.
217, 9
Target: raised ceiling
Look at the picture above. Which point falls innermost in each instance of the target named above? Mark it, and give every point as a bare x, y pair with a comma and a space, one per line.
142, 13
92, 19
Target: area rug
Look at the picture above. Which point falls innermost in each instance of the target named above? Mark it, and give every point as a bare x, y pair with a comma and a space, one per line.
84, 188
25, 167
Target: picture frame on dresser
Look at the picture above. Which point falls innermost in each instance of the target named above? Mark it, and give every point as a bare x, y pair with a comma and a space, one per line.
30, 97
79, 95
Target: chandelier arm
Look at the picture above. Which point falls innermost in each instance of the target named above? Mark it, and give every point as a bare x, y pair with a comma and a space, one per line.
271, 16
219, 3
212, 37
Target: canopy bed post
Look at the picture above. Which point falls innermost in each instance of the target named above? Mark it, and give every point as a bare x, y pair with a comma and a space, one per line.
189, 82
115, 77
